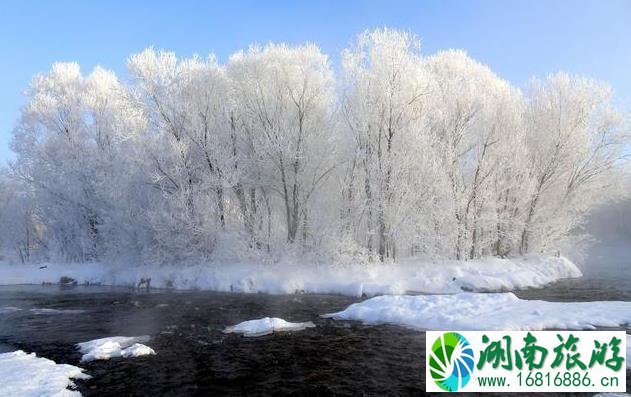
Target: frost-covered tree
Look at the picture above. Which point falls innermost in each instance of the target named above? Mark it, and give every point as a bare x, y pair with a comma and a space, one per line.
19, 232
574, 139
269, 154
384, 99
474, 123
68, 143
176, 96
284, 103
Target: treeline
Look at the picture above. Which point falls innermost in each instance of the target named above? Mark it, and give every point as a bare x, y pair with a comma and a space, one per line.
399, 155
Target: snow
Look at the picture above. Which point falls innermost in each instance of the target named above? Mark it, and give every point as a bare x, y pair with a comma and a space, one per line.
494, 311
491, 274
267, 325
628, 351
114, 346
27, 375
137, 350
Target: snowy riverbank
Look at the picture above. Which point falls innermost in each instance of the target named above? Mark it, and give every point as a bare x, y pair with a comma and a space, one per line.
492, 274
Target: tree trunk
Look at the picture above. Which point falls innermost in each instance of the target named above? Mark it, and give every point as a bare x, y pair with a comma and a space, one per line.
288, 211
382, 236
523, 248
220, 205
243, 208
369, 224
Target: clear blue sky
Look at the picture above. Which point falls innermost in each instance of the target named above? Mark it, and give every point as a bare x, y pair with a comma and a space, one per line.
517, 39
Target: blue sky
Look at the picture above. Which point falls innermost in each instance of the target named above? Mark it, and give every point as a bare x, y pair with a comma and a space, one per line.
517, 39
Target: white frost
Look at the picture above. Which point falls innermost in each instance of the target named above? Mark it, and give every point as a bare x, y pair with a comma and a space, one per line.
411, 275
114, 346
267, 325
496, 311
27, 375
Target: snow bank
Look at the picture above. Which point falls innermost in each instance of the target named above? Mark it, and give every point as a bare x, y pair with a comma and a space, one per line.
496, 311
265, 326
27, 375
114, 346
491, 274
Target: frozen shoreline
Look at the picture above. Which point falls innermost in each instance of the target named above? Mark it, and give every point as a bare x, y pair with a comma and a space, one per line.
492, 274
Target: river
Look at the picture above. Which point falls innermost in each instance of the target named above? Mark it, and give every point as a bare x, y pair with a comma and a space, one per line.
194, 356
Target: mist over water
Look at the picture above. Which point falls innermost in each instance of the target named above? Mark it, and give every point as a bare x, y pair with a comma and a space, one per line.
605, 260
609, 254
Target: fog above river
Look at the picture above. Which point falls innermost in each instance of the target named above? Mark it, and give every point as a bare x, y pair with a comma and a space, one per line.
608, 254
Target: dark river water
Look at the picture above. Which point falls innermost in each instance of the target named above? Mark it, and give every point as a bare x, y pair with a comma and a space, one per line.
194, 357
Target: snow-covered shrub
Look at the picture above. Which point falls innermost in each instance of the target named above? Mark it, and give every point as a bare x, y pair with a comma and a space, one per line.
346, 251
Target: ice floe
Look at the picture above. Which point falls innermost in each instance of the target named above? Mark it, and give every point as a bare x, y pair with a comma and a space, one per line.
27, 375
115, 346
267, 325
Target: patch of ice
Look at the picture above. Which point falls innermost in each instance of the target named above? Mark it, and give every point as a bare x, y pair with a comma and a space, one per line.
114, 346
27, 375
9, 309
494, 311
55, 311
267, 325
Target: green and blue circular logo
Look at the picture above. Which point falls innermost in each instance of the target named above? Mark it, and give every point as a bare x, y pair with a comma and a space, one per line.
451, 361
